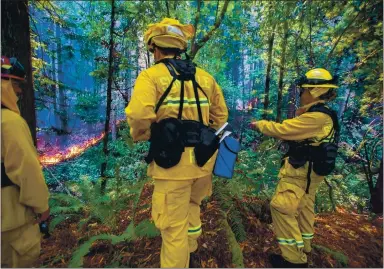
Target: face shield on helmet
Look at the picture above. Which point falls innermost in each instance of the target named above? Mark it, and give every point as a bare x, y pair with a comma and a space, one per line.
169, 33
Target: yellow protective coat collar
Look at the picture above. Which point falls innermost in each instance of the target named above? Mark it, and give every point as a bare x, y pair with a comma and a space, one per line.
305, 108
8, 96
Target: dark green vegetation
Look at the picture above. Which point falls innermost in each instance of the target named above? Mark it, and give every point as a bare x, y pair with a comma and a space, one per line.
84, 68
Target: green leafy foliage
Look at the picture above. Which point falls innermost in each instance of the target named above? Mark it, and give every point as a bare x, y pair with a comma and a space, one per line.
237, 254
88, 204
77, 257
340, 257
227, 204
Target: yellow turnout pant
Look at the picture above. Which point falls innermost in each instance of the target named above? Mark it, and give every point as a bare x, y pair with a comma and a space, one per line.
176, 213
293, 217
20, 247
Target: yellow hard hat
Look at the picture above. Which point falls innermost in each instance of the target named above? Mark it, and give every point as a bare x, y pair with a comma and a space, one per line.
318, 78
169, 33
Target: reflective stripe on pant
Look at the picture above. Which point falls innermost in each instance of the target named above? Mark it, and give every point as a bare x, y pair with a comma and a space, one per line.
176, 212
306, 220
293, 218
20, 247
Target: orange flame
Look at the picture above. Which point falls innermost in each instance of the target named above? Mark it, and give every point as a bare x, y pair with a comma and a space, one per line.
71, 152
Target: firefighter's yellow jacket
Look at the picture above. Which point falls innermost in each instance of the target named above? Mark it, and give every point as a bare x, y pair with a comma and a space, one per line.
149, 87
30, 195
310, 125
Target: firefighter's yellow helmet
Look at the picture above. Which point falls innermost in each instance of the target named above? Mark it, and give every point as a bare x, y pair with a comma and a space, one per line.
318, 78
319, 81
169, 33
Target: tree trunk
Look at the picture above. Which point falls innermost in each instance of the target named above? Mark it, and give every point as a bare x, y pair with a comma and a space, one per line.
377, 194
16, 42
196, 46
268, 75
113, 122
62, 108
344, 105
109, 100
282, 70
243, 94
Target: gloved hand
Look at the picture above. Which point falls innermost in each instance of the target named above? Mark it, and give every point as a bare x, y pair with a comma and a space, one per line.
42, 217
253, 126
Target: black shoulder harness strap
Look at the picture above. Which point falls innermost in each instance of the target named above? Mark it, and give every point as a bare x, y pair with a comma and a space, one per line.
196, 86
326, 110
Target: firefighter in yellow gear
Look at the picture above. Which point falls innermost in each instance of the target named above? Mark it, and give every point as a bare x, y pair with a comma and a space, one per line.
24, 193
292, 205
180, 189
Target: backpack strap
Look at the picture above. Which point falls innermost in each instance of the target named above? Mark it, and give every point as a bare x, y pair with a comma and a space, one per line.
165, 94
179, 116
196, 86
326, 110
197, 100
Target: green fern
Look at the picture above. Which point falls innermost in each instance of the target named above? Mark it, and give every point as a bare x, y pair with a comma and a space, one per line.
146, 228
227, 204
237, 254
339, 257
57, 220
90, 202
56, 210
82, 222
78, 256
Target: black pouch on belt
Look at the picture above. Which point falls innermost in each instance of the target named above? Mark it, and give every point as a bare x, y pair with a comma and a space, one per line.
207, 146
167, 143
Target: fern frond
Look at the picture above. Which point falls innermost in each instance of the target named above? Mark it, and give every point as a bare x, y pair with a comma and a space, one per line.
56, 210
57, 220
340, 257
82, 222
237, 254
146, 228
223, 194
63, 199
78, 256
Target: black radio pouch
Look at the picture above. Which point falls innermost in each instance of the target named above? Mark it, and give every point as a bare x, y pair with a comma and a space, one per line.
209, 143
167, 143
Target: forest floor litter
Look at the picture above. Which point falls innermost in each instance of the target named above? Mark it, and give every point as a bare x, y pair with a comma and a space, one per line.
342, 239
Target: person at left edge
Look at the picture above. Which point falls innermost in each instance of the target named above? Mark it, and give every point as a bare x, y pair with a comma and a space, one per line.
24, 193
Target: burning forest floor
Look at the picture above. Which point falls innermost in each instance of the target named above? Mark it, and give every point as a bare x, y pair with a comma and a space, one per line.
342, 239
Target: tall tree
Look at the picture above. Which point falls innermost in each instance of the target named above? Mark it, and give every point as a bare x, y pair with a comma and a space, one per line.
109, 99
282, 64
196, 46
269, 68
16, 42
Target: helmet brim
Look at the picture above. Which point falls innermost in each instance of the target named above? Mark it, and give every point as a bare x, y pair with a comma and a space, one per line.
12, 76
319, 86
